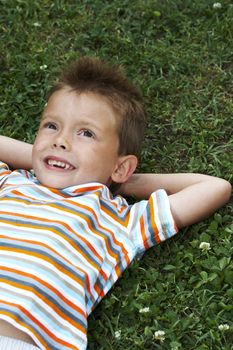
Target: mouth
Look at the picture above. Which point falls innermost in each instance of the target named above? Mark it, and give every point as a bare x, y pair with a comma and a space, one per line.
58, 164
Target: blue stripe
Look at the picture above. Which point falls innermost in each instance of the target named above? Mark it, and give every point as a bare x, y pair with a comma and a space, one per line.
26, 320
37, 287
63, 266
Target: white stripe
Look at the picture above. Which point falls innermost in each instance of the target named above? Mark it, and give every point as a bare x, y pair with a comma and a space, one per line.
70, 283
48, 317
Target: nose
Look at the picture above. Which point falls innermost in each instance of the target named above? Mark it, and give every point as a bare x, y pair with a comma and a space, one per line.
61, 142
59, 146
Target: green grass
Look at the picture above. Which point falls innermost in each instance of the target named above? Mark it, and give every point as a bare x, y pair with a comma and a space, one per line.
180, 54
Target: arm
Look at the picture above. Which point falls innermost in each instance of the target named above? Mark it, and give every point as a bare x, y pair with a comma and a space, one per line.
192, 197
16, 154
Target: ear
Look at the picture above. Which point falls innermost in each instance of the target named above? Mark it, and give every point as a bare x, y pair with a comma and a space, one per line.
125, 168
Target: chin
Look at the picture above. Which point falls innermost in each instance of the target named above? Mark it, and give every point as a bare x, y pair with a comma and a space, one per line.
54, 184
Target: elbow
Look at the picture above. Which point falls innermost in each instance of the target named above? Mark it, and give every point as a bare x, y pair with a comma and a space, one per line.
226, 190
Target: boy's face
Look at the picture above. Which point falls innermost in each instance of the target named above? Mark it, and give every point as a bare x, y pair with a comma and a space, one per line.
77, 141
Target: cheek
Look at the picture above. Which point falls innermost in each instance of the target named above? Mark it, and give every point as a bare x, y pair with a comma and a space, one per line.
37, 148
39, 143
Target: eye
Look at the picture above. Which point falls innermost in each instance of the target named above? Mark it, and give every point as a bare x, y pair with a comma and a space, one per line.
50, 125
86, 133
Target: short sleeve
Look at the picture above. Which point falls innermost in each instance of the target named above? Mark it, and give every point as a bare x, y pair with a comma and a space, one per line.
151, 222
4, 172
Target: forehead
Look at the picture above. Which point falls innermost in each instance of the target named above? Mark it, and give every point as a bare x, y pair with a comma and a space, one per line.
67, 102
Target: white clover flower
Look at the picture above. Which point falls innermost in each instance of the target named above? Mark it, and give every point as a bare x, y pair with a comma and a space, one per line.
118, 334
159, 335
144, 310
223, 327
217, 5
43, 67
204, 246
36, 24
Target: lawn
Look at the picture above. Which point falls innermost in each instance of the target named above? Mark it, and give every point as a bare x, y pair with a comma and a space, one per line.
179, 52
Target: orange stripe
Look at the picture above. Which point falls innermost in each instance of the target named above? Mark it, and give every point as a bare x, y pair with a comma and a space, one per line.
18, 193
52, 222
30, 289
118, 271
87, 188
114, 255
92, 212
44, 258
38, 323
19, 321
110, 252
152, 220
60, 222
99, 291
119, 244
40, 244
6, 172
78, 190
142, 228
47, 285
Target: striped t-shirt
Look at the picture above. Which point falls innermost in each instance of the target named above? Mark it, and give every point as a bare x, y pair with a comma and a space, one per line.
62, 250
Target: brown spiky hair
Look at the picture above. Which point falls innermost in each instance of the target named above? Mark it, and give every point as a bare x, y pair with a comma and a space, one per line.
90, 74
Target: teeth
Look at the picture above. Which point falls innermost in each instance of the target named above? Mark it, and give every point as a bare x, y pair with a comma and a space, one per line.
59, 164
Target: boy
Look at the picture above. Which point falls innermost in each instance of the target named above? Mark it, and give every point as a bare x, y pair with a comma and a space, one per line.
65, 239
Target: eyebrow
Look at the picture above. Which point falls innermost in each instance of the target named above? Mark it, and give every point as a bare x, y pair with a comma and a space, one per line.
83, 122
87, 124
46, 117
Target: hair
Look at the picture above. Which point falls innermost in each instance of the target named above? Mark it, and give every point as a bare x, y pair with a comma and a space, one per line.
92, 75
